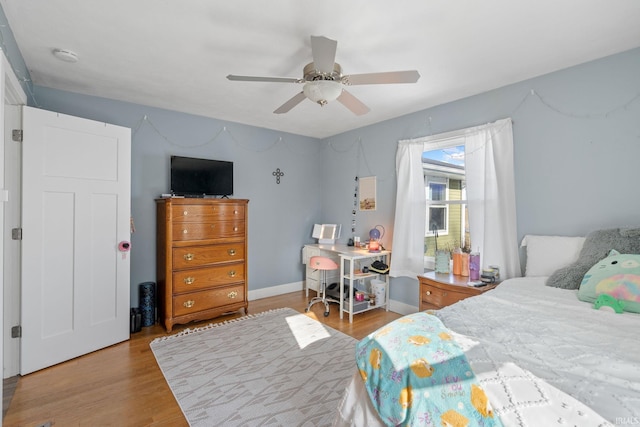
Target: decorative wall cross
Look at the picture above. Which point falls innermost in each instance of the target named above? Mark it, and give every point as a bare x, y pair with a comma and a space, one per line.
278, 174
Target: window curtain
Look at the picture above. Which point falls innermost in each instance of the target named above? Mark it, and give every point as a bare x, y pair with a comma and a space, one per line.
408, 227
490, 198
491, 195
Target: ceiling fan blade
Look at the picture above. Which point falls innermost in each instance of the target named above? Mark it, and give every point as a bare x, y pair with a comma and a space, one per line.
284, 108
410, 76
264, 79
324, 53
352, 103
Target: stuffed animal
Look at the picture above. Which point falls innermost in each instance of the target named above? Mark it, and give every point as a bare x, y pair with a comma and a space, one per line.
614, 282
597, 246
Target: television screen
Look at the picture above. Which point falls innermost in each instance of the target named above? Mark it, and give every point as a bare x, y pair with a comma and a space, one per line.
201, 177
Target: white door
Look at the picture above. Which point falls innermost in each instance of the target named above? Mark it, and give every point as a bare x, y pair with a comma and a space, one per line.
75, 211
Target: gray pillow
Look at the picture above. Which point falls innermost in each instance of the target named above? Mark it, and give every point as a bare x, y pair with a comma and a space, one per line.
596, 247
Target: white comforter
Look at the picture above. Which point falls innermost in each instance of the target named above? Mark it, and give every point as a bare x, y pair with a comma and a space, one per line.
542, 356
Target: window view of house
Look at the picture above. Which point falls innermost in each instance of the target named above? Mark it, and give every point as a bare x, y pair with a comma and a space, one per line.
447, 214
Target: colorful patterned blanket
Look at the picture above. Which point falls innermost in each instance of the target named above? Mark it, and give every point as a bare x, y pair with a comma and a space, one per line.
416, 374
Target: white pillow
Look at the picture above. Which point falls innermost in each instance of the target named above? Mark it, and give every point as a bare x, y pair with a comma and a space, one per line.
546, 254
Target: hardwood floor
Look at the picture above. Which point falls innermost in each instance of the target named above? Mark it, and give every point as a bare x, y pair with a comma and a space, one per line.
122, 384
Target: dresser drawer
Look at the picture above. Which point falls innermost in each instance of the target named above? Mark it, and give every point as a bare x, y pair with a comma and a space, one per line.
434, 296
208, 230
202, 278
204, 300
205, 213
198, 256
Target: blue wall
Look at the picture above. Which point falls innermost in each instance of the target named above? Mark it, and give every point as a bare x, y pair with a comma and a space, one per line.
577, 145
577, 152
281, 216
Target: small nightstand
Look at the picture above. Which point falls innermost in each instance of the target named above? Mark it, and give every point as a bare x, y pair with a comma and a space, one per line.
439, 290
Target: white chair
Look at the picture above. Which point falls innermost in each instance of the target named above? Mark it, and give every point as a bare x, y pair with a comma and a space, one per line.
323, 264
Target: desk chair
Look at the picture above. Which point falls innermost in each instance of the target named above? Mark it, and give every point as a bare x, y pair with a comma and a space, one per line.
323, 264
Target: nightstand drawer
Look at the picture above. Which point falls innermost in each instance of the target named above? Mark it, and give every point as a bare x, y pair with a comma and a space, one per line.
438, 290
439, 297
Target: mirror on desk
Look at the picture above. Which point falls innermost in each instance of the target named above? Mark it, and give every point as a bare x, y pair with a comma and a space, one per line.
326, 233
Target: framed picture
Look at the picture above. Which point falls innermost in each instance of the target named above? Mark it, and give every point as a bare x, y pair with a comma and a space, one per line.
368, 193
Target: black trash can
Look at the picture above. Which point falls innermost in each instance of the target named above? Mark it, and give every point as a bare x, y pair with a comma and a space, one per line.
147, 303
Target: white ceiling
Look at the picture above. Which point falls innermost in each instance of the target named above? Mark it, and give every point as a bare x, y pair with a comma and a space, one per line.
177, 54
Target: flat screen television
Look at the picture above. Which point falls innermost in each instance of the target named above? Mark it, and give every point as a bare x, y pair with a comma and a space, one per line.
192, 177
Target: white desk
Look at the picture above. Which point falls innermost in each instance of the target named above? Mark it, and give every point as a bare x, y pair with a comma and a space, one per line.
349, 259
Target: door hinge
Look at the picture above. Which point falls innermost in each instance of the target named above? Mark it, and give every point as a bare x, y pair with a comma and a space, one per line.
16, 135
16, 331
16, 234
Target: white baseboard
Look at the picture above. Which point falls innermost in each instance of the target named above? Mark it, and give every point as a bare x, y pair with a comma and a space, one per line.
272, 291
395, 306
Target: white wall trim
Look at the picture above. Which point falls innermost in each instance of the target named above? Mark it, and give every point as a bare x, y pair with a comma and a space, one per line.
273, 291
402, 308
12, 93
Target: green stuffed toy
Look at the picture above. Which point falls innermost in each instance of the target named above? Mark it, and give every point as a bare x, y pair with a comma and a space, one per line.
614, 282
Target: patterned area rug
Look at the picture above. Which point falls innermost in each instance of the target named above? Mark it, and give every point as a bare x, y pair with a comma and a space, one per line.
278, 368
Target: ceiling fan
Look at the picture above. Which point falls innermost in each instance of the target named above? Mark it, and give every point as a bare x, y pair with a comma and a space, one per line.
324, 82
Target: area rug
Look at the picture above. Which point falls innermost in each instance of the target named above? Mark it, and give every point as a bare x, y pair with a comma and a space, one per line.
278, 368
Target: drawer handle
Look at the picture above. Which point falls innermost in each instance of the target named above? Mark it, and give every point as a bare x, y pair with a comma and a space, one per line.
235, 212
188, 257
428, 292
189, 280
235, 228
232, 294
189, 303
185, 231
231, 252
185, 213
232, 273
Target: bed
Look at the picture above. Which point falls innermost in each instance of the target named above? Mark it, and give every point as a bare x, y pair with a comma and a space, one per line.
542, 356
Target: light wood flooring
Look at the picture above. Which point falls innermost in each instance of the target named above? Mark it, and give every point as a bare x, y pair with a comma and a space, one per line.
122, 384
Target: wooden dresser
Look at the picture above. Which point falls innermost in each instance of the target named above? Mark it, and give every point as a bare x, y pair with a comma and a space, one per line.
201, 258
438, 290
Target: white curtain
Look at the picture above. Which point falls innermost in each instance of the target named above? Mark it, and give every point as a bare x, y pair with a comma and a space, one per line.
408, 227
490, 197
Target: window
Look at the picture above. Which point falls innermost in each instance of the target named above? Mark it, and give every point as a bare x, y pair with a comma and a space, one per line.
445, 191
488, 161
436, 191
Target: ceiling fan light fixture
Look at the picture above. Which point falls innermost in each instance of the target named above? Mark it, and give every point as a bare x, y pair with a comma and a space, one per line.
322, 91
